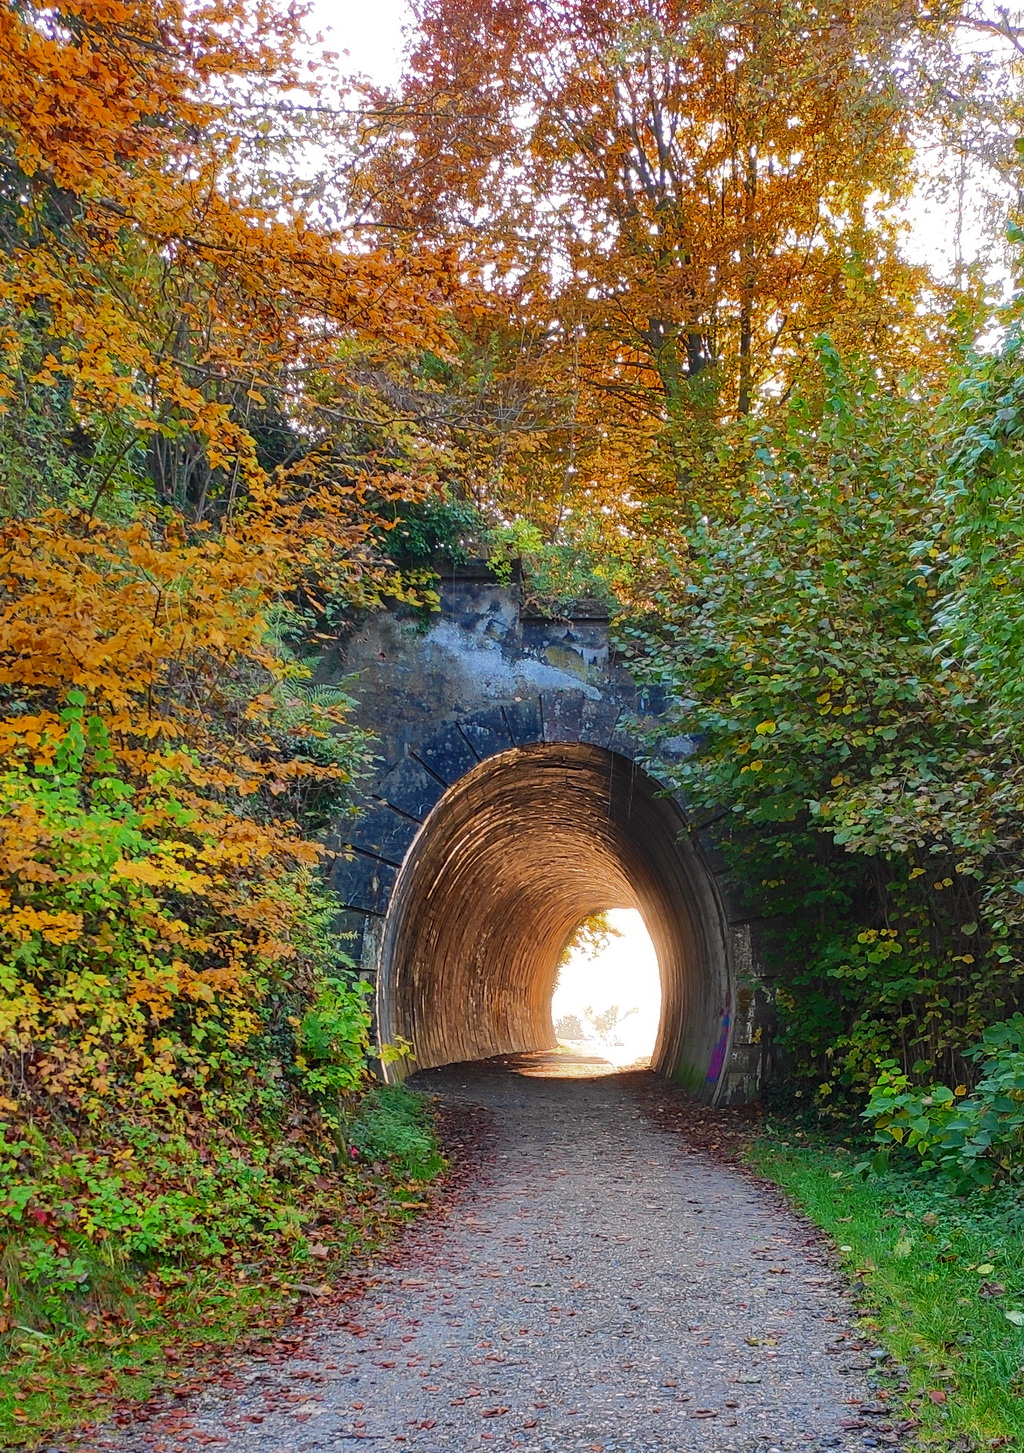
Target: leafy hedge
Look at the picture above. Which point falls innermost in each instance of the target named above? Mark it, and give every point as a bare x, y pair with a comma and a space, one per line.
847, 647
974, 1138
183, 1041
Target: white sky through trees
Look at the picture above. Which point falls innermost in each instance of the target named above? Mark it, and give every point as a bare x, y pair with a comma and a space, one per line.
372, 34
369, 30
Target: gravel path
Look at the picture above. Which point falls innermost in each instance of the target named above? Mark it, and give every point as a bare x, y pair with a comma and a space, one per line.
599, 1285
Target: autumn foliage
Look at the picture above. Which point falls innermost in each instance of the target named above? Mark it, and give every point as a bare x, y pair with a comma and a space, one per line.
674, 200
196, 455
130, 766
157, 244
616, 289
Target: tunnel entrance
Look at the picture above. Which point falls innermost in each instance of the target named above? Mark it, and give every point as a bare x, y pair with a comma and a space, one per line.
510, 859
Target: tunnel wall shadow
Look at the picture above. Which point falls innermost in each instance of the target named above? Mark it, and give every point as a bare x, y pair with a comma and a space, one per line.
505, 865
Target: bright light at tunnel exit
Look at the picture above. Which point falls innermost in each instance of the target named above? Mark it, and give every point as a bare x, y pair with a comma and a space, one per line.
621, 976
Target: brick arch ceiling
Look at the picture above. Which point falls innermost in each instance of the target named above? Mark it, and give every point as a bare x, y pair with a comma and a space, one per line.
508, 862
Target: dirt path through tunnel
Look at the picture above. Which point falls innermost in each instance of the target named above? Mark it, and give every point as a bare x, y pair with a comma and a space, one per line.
599, 1285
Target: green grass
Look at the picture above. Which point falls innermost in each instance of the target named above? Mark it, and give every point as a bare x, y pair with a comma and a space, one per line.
50, 1383
938, 1275
395, 1125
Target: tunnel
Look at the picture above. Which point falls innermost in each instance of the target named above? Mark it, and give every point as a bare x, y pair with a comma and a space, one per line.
510, 860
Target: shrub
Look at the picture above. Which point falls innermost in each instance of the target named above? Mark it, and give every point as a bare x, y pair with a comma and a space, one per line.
178, 1023
862, 783
977, 1138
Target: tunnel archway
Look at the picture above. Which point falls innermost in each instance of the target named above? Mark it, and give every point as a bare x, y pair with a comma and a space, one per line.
506, 864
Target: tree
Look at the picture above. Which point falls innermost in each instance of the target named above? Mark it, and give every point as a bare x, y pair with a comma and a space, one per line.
160, 240
673, 198
197, 369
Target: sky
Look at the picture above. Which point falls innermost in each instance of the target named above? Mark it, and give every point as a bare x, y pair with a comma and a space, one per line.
370, 30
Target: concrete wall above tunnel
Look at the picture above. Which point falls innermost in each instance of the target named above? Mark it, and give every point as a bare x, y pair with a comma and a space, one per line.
513, 800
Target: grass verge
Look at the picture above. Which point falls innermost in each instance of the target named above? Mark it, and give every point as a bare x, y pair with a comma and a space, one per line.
134, 1330
941, 1283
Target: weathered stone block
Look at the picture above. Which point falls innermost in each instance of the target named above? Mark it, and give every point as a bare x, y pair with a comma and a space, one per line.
363, 882
487, 733
677, 749
624, 742
562, 713
524, 723
447, 754
410, 788
579, 649
652, 700
744, 1059
384, 832
597, 722
658, 771
350, 927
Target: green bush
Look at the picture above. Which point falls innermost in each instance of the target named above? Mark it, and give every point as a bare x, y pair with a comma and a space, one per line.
864, 782
332, 1039
977, 1138
435, 532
